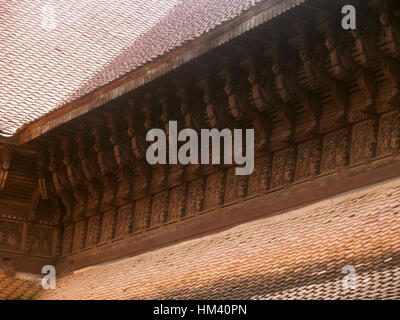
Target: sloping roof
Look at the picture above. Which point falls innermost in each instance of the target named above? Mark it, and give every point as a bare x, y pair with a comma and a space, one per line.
49, 51
18, 287
295, 255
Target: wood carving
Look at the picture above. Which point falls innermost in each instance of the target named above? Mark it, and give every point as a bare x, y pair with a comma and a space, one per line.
308, 159
340, 54
138, 147
195, 197
11, 235
366, 36
214, 192
68, 237
124, 221
283, 167
41, 172
141, 218
241, 110
389, 134
285, 69
107, 228
263, 98
335, 150
389, 19
363, 138
312, 54
176, 208
5, 164
124, 159
235, 186
259, 179
159, 209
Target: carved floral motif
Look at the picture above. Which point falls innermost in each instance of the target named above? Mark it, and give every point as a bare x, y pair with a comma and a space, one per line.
177, 203
389, 133
142, 214
334, 152
308, 157
195, 197
362, 142
282, 168
124, 221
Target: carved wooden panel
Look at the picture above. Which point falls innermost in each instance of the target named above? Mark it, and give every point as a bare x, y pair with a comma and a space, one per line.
335, 150
11, 235
283, 167
389, 133
68, 236
195, 197
363, 141
79, 236
40, 240
308, 159
214, 190
235, 186
159, 208
177, 203
93, 231
124, 221
259, 179
107, 228
141, 215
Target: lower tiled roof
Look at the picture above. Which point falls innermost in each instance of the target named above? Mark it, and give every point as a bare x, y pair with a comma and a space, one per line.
294, 255
18, 287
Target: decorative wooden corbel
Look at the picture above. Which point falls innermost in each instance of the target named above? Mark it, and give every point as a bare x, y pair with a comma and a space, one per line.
240, 109
5, 164
42, 185
389, 19
123, 157
138, 147
285, 63
263, 98
312, 54
343, 65
215, 115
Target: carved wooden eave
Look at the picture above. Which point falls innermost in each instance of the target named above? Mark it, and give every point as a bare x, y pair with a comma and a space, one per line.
251, 19
327, 121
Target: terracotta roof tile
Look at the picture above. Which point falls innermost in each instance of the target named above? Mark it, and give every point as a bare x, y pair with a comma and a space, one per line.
296, 255
42, 68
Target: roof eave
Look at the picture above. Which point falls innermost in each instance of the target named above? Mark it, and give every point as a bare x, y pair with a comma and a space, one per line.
262, 13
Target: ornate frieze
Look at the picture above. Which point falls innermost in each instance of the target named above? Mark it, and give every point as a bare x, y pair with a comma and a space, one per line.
124, 221
214, 191
159, 209
259, 179
308, 159
108, 225
195, 197
142, 214
363, 141
11, 235
389, 133
177, 199
335, 150
93, 231
283, 167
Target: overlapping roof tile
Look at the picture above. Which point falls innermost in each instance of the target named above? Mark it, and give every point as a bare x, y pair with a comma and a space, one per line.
52, 52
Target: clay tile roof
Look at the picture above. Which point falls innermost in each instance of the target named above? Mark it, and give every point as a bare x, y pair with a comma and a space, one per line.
56, 51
